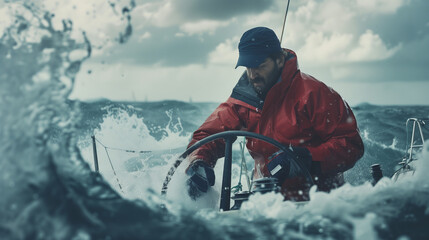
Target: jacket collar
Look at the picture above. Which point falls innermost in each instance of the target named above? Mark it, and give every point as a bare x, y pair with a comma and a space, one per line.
244, 92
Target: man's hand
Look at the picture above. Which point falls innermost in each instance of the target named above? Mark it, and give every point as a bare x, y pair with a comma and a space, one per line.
201, 176
281, 166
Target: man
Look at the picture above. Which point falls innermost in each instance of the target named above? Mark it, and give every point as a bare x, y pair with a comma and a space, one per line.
275, 99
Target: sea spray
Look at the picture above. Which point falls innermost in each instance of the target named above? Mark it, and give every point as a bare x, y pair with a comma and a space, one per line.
35, 80
49, 191
140, 161
352, 212
137, 157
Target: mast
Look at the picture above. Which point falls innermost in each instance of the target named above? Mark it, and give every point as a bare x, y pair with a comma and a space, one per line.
284, 22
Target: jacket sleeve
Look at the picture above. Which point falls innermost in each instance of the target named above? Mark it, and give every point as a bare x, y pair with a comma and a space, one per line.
224, 118
335, 124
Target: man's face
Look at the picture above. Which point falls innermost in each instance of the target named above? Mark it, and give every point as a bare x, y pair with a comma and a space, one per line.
265, 75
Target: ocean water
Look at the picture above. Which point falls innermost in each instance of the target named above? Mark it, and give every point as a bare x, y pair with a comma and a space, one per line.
50, 190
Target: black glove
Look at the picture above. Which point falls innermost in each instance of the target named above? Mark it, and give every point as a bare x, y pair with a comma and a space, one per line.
201, 177
281, 166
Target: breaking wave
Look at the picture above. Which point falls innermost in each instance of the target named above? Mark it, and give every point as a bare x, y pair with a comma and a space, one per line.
50, 191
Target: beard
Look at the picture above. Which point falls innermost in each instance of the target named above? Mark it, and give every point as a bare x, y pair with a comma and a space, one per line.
269, 81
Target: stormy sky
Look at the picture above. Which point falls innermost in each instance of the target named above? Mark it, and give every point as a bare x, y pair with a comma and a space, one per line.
374, 51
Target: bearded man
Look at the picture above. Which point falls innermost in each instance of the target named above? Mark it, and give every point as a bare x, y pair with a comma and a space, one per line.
275, 99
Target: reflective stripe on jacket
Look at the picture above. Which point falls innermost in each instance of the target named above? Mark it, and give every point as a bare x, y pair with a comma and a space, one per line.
299, 110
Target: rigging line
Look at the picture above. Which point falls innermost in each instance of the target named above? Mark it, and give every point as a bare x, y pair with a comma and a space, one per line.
243, 164
284, 22
114, 172
239, 186
96, 139
124, 150
129, 151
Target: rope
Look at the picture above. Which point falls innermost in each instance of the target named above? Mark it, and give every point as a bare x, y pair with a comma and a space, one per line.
171, 172
243, 163
239, 186
110, 160
284, 22
121, 149
114, 172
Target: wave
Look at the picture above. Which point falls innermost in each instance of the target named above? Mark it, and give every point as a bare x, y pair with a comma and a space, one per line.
50, 191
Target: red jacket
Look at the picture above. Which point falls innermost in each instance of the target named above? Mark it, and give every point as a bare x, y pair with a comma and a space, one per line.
298, 110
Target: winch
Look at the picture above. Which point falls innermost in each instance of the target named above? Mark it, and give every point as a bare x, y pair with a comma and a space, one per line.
261, 185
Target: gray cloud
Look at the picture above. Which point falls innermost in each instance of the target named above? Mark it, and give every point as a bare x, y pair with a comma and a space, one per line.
164, 48
408, 24
409, 27
220, 9
406, 31
409, 64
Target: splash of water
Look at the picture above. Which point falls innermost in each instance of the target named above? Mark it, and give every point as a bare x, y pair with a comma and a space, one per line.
47, 188
139, 159
49, 191
366, 137
36, 77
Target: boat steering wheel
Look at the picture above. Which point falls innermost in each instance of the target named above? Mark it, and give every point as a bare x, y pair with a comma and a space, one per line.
229, 138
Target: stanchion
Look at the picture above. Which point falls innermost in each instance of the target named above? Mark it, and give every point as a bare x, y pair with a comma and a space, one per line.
94, 148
